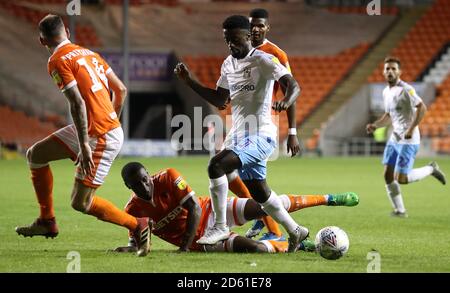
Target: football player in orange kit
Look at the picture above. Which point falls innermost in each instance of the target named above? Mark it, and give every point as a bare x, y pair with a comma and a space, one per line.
179, 217
92, 141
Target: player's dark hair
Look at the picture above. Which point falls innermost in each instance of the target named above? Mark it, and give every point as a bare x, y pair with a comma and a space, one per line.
131, 169
392, 59
236, 21
259, 13
51, 25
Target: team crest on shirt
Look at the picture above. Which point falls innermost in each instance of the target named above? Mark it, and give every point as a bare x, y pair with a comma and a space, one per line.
180, 183
247, 72
56, 77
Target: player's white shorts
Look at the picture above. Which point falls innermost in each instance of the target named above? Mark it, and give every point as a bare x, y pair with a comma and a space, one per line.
105, 149
235, 213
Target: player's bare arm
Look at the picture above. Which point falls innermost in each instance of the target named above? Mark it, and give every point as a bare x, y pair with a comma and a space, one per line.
79, 116
381, 122
119, 92
217, 97
293, 144
192, 222
292, 92
418, 116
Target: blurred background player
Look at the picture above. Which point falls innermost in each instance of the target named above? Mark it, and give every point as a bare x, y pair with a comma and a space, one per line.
247, 78
179, 217
405, 109
93, 140
259, 26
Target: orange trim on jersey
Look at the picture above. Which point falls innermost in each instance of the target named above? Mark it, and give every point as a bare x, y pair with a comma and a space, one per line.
202, 225
236, 219
73, 156
97, 155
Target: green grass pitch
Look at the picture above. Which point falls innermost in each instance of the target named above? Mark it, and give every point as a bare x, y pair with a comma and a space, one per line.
417, 244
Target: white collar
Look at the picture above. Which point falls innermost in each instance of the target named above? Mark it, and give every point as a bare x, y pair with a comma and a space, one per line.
63, 43
263, 43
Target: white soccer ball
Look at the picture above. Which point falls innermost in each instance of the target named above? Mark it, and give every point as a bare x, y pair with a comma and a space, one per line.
332, 242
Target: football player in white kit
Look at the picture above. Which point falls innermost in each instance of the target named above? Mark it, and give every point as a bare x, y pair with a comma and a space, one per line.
247, 78
405, 109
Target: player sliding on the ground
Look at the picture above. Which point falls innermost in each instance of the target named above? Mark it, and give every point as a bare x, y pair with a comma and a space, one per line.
93, 140
405, 109
179, 217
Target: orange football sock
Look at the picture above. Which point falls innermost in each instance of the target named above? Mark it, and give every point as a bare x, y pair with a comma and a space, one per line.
42, 179
238, 187
305, 201
106, 211
271, 225
278, 246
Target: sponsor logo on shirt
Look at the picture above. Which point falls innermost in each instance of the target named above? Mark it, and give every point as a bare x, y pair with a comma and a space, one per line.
242, 87
170, 216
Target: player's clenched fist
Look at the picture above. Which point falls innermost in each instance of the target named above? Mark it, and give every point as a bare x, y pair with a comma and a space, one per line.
280, 106
370, 128
182, 71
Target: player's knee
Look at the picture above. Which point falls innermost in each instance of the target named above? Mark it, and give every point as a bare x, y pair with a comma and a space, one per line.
214, 168
80, 206
402, 179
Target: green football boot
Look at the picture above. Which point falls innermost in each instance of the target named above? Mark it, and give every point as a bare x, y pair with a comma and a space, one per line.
348, 199
307, 245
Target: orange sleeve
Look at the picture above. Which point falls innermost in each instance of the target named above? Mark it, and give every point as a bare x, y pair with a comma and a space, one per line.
181, 191
61, 74
282, 56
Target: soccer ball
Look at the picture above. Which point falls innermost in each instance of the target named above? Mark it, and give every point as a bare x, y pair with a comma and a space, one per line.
332, 242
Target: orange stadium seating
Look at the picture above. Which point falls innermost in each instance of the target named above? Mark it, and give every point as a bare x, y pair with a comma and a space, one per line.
19, 129
317, 75
437, 120
418, 48
85, 33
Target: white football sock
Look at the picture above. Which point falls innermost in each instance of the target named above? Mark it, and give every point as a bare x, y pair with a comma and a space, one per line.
395, 196
285, 201
218, 189
419, 173
231, 176
274, 208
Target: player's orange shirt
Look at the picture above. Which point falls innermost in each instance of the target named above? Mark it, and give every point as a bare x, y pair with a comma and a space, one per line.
270, 48
71, 65
166, 210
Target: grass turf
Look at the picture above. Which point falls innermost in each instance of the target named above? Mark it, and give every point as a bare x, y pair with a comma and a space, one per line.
417, 244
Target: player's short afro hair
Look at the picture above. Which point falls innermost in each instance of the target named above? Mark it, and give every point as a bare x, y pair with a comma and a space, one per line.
236, 21
259, 13
130, 169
